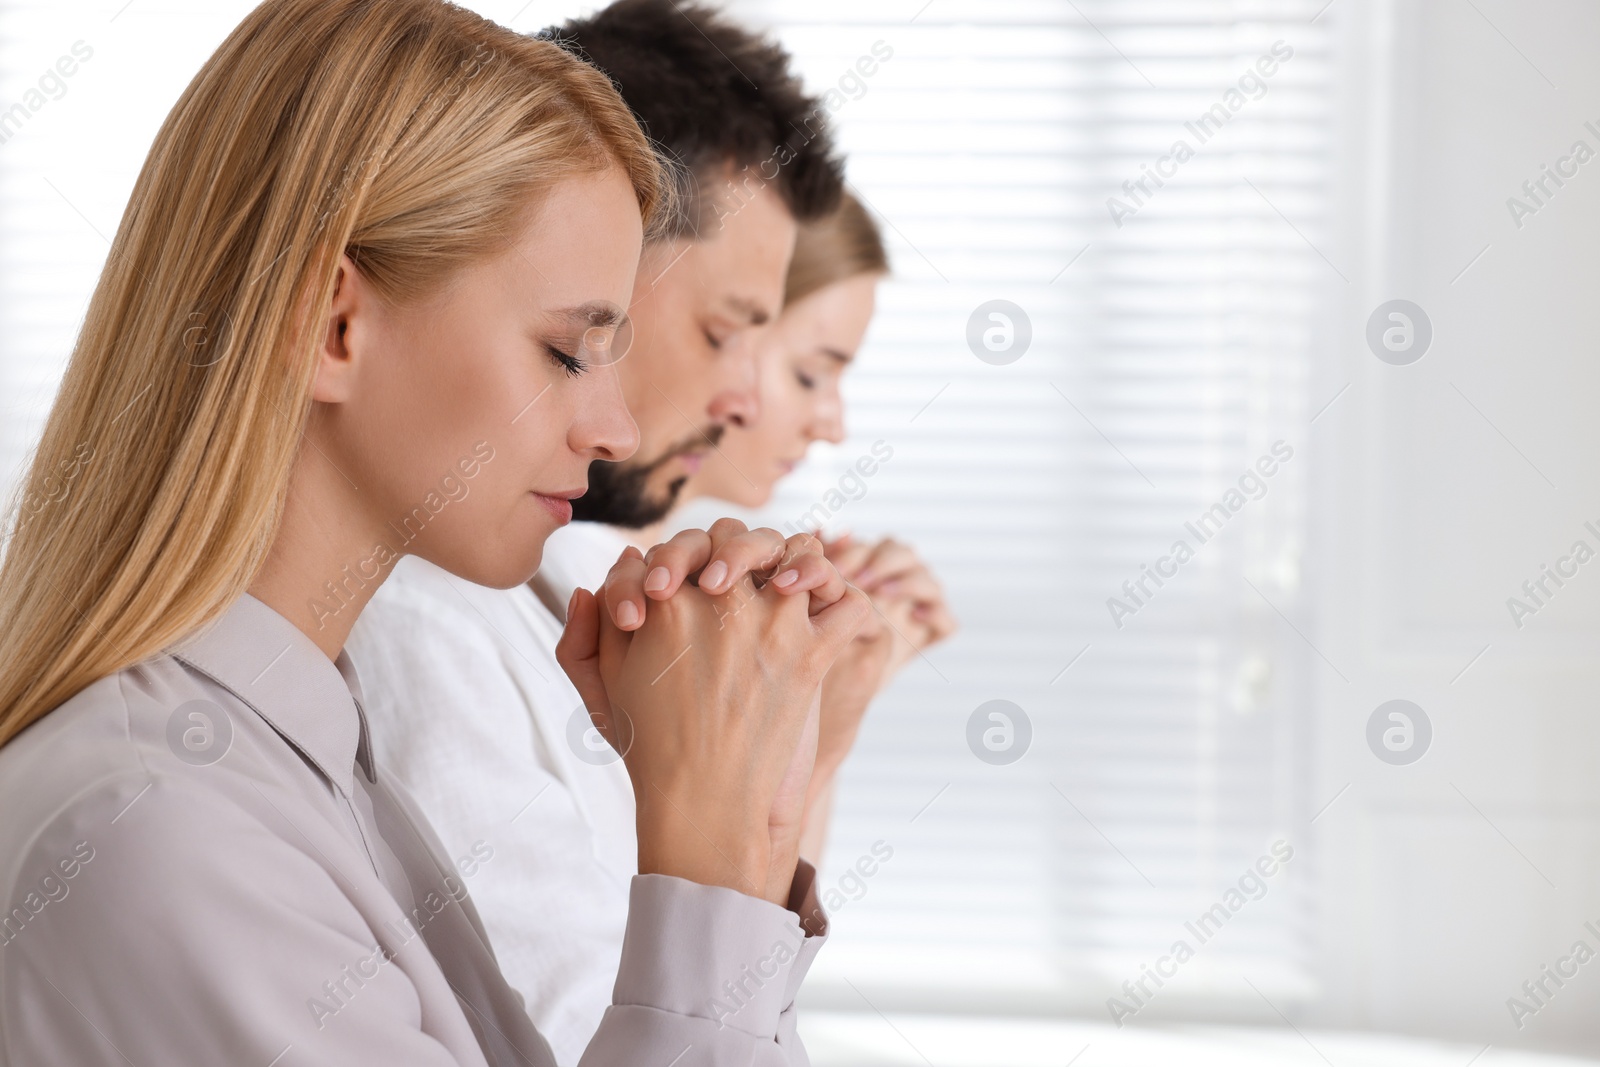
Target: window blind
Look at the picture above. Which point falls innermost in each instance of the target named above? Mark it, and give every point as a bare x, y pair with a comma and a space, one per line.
1170, 336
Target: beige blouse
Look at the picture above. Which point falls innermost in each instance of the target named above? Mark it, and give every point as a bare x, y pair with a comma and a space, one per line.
200, 864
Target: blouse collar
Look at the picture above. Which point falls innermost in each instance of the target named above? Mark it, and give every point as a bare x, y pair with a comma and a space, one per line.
267, 662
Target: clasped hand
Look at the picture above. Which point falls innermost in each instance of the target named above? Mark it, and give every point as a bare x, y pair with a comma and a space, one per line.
702, 662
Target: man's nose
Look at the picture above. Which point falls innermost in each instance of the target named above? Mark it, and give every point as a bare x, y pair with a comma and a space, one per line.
738, 400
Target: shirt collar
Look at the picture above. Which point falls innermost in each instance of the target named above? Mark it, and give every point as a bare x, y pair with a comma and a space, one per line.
266, 661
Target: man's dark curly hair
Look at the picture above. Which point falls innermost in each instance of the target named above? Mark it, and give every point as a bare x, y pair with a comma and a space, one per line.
710, 93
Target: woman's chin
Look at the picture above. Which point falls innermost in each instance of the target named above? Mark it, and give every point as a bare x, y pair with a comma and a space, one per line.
758, 497
498, 566
506, 574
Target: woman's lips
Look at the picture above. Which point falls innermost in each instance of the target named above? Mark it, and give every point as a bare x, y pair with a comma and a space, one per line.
560, 506
560, 509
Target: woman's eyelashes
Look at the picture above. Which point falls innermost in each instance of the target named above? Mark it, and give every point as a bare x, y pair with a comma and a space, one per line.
813, 374
574, 366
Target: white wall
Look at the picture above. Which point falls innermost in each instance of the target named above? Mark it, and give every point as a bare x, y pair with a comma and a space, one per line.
1447, 883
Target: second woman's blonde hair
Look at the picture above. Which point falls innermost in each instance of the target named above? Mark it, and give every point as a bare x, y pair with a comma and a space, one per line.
411, 135
837, 247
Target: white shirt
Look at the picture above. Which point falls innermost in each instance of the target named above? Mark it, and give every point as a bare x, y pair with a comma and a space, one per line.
471, 711
202, 863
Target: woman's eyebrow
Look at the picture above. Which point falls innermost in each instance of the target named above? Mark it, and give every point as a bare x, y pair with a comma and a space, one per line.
597, 313
749, 310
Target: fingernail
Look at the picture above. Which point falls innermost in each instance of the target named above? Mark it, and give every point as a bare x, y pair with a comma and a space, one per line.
627, 614
572, 603
865, 577
657, 580
786, 579
715, 575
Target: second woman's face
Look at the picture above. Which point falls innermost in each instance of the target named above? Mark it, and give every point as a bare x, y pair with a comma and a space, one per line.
475, 412
807, 352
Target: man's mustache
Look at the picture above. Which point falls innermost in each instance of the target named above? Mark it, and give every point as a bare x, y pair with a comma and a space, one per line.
710, 437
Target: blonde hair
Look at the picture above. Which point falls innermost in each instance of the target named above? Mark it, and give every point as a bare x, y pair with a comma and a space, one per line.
412, 135
835, 248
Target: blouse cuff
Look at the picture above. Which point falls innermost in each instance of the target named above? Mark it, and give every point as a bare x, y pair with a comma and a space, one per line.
807, 905
715, 953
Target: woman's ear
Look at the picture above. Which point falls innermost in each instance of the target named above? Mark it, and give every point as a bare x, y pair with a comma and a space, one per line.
345, 336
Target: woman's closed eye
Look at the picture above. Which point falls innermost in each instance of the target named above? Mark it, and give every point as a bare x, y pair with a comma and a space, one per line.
814, 373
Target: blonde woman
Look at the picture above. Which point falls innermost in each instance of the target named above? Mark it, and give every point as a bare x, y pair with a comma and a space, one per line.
829, 299
360, 307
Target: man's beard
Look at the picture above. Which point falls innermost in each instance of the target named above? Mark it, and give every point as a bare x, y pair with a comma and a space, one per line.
618, 492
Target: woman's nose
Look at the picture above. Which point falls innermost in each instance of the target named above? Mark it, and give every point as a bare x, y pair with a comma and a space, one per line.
828, 423
603, 427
